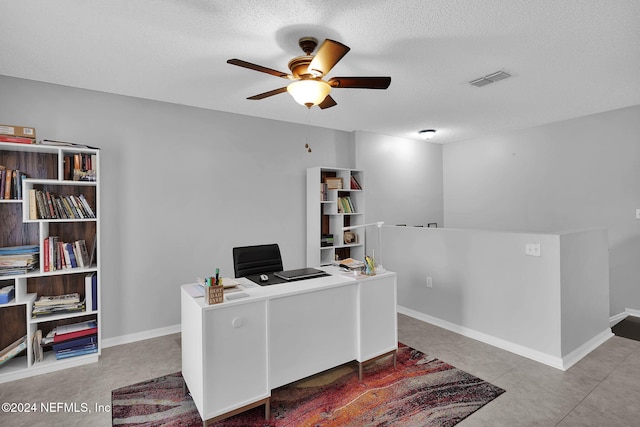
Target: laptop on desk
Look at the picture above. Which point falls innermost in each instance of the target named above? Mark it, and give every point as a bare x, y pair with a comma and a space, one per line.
286, 276
300, 273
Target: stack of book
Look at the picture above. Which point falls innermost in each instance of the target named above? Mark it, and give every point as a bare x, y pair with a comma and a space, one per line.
80, 167
57, 304
345, 205
17, 134
11, 183
75, 339
355, 185
16, 260
48, 205
59, 255
323, 192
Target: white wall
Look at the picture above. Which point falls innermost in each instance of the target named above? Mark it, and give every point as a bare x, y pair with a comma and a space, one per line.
575, 174
181, 186
404, 179
549, 308
584, 277
481, 280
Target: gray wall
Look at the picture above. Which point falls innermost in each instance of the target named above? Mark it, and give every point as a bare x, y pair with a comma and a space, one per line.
404, 179
180, 187
581, 173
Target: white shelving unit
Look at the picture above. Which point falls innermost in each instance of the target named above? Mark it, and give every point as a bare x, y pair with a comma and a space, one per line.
44, 166
326, 217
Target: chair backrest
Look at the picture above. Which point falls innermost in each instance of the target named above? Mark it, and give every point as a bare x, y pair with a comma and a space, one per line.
256, 259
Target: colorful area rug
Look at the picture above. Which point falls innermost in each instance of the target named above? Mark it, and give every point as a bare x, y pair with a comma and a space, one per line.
420, 391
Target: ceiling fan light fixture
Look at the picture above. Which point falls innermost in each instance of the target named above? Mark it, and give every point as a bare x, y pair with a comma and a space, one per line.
309, 92
427, 133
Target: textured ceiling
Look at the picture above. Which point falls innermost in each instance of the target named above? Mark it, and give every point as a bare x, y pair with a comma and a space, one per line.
567, 58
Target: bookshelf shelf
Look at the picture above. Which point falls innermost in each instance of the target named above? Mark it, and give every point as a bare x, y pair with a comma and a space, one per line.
331, 209
48, 169
36, 320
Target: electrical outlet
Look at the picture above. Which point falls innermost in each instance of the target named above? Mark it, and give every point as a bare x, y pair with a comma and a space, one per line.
637, 213
532, 249
429, 282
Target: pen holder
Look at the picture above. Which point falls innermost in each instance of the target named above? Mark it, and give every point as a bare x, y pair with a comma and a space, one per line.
214, 294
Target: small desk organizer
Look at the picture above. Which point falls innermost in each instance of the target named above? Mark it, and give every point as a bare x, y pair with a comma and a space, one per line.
214, 294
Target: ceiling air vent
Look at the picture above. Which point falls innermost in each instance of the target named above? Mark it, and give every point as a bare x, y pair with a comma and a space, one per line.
490, 78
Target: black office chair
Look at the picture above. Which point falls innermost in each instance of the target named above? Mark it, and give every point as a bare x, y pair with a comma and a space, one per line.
256, 259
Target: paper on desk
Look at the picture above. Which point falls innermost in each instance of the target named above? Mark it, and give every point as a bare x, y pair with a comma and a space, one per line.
196, 290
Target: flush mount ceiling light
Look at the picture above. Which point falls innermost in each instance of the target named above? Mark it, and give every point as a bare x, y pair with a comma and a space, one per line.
427, 133
490, 78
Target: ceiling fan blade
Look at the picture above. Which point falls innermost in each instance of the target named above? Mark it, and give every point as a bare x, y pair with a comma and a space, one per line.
328, 102
329, 53
268, 94
360, 82
249, 65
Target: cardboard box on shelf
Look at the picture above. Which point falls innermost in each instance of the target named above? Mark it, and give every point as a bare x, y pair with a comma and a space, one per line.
20, 131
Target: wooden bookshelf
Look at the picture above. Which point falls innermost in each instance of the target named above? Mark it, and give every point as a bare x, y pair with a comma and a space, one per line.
46, 168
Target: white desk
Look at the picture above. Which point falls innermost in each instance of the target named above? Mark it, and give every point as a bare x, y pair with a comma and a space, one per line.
236, 352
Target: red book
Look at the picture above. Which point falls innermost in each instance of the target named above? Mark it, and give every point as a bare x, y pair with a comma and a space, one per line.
47, 261
17, 139
77, 334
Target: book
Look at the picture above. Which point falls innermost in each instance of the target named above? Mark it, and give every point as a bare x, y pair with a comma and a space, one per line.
76, 342
94, 291
16, 139
38, 354
3, 177
75, 327
87, 206
88, 292
68, 250
64, 354
33, 208
92, 255
46, 257
64, 144
355, 185
7, 184
42, 212
65, 252
13, 349
71, 335
52, 213
82, 254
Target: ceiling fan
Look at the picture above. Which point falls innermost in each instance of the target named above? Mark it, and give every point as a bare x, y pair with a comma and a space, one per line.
308, 88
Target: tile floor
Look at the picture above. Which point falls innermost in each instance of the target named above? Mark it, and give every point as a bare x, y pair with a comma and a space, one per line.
601, 390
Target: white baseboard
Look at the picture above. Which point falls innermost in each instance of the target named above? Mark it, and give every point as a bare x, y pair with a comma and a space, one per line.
614, 320
547, 359
586, 348
632, 312
139, 336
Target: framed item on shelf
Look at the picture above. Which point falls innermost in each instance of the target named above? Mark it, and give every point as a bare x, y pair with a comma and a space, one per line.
333, 183
350, 237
